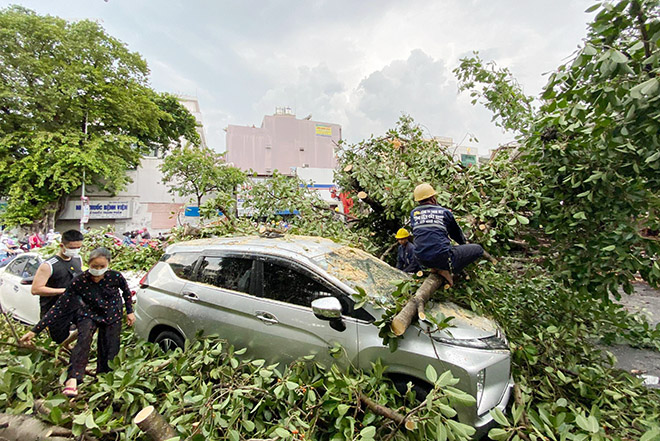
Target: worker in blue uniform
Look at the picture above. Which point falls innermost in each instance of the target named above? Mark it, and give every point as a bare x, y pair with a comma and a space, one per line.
406, 260
433, 226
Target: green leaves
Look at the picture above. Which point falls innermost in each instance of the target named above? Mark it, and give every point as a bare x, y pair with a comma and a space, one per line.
591, 153
198, 171
589, 424
654, 157
75, 99
431, 374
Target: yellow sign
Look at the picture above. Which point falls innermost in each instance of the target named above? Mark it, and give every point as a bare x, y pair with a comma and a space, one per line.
324, 130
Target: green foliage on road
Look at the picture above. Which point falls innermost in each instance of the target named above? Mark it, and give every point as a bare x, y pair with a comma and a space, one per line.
212, 392
73, 99
569, 389
581, 189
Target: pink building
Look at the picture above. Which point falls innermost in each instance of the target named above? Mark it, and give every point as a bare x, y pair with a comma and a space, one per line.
283, 142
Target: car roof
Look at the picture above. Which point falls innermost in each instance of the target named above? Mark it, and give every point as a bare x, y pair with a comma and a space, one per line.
307, 246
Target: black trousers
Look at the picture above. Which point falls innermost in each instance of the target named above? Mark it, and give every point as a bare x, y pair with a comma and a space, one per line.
456, 259
107, 346
59, 331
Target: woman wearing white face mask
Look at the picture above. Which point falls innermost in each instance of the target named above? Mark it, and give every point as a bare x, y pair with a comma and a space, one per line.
98, 294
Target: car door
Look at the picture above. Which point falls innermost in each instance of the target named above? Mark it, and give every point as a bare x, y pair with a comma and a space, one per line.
27, 305
220, 301
11, 284
287, 328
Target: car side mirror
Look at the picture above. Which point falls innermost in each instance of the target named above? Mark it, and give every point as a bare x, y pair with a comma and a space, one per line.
329, 308
27, 280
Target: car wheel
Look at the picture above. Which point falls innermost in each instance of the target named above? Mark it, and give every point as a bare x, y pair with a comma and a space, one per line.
169, 340
420, 388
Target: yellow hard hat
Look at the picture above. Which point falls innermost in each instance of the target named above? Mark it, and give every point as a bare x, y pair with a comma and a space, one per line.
423, 191
402, 234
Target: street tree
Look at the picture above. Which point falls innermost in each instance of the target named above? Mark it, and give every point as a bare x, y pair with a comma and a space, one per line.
592, 150
491, 202
74, 102
198, 172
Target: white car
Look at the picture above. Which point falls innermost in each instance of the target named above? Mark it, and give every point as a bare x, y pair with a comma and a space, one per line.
16, 297
15, 284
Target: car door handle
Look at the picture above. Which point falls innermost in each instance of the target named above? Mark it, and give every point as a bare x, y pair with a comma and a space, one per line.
190, 296
267, 317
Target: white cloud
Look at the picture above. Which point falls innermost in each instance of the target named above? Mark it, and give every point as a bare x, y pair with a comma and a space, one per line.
359, 64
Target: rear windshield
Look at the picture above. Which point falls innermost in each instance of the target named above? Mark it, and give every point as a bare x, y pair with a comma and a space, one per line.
357, 268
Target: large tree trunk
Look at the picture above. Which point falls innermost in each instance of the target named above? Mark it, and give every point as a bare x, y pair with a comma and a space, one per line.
415, 305
154, 425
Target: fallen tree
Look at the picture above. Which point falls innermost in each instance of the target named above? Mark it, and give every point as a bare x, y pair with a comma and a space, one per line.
415, 306
30, 428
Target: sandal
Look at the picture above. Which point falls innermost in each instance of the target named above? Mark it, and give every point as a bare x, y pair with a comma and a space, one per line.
445, 275
70, 391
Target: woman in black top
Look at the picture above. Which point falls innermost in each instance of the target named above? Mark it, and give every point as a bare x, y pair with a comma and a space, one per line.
96, 296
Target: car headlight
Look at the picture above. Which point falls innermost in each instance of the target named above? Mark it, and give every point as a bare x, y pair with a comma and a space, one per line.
481, 379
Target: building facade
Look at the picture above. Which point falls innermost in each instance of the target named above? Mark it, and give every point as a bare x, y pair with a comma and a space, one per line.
145, 202
283, 143
464, 154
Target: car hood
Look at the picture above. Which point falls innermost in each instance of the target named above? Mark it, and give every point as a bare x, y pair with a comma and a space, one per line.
465, 324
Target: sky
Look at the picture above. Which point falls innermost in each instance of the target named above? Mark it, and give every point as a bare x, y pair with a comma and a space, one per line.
361, 64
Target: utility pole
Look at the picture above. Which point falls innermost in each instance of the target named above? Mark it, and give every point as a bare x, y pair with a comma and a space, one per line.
84, 202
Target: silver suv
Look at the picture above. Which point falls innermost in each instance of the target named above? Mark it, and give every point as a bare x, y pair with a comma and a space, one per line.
289, 297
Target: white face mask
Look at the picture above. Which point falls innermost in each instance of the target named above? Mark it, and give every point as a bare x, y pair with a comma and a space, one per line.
71, 252
97, 272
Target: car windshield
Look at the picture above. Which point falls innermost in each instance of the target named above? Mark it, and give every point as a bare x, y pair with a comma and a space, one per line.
357, 268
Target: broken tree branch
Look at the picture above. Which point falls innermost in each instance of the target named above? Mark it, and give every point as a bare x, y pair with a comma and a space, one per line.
388, 250
71, 338
387, 412
11, 325
30, 428
154, 425
32, 347
402, 320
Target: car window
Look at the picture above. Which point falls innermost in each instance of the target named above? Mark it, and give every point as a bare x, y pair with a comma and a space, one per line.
32, 266
357, 268
226, 272
16, 267
287, 285
182, 264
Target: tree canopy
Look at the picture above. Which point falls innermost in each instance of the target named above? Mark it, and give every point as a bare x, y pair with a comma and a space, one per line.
591, 152
197, 172
73, 99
